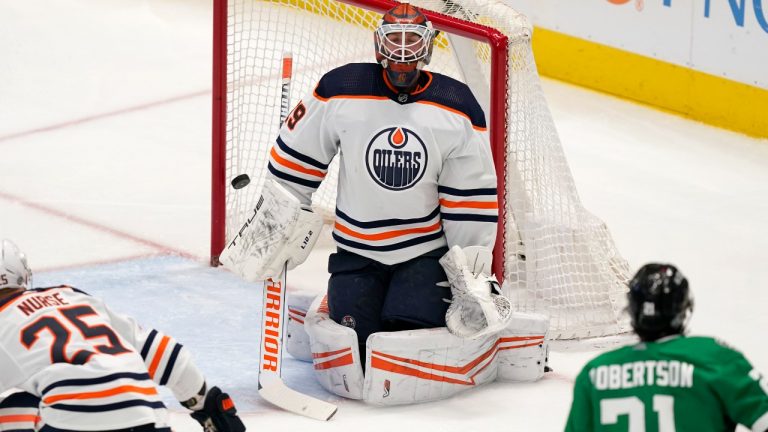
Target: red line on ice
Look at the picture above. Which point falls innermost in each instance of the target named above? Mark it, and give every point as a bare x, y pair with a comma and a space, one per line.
102, 115
94, 225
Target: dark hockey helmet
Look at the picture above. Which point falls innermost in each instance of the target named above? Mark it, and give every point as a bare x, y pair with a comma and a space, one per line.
660, 302
403, 43
14, 270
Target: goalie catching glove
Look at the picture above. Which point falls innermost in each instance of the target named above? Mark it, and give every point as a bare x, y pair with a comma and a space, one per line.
477, 308
215, 411
278, 231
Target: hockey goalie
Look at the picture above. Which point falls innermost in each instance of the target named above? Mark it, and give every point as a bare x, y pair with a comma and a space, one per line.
412, 311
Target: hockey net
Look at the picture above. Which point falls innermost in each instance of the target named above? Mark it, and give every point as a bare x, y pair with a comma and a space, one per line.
556, 258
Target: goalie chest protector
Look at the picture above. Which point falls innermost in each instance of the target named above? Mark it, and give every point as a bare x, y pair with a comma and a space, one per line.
412, 166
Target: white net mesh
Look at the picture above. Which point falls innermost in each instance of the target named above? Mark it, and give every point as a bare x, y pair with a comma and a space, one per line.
558, 258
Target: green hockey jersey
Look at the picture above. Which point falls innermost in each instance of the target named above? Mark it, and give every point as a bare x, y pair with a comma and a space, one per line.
676, 384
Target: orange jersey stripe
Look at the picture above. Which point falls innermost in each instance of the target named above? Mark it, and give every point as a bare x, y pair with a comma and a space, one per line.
295, 166
18, 418
469, 204
388, 234
158, 356
101, 394
320, 98
392, 88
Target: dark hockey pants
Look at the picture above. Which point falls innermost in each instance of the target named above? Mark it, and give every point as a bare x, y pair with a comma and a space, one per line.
369, 296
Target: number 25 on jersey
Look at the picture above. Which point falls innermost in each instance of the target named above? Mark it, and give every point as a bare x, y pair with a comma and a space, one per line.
61, 329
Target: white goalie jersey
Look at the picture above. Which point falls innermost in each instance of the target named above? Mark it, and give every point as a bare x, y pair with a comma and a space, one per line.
91, 368
416, 171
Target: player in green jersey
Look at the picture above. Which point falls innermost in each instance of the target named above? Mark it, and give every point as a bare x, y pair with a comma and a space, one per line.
669, 381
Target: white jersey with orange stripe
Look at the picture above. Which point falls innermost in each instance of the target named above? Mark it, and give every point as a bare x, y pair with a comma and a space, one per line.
416, 171
92, 369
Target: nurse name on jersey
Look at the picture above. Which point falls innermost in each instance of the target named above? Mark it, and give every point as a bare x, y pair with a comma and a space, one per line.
661, 373
34, 303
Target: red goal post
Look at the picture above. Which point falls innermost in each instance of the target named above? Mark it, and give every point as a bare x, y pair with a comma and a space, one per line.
553, 255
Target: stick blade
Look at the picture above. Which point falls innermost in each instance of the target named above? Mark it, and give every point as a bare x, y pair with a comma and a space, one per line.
274, 391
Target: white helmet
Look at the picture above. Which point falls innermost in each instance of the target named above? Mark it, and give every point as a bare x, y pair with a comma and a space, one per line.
14, 270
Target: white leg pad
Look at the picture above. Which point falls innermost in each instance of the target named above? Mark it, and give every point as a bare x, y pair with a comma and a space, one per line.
523, 348
335, 352
415, 366
297, 340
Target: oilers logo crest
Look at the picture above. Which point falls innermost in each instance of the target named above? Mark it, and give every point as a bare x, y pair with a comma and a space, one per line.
396, 158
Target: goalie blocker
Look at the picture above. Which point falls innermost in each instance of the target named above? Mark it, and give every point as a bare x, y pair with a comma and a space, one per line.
278, 231
406, 367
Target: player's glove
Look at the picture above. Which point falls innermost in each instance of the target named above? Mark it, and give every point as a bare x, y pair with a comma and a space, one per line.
477, 308
215, 411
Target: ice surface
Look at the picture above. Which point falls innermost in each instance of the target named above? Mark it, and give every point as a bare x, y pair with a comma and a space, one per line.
104, 181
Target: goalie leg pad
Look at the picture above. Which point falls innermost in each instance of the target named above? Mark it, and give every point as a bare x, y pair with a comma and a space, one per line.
297, 340
523, 348
416, 366
335, 352
21, 411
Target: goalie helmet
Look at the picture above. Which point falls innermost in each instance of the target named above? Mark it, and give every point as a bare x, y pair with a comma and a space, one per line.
660, 302
403, 43
14, 270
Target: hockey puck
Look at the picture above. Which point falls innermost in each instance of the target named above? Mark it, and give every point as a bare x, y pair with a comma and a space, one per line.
241, 181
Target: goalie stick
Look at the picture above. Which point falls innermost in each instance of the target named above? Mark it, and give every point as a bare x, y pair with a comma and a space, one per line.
271, 386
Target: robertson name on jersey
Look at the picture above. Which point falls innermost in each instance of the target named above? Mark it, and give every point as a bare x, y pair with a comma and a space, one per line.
416, 171
676, 383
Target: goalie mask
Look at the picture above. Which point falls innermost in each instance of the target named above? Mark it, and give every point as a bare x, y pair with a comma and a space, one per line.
660, 302
403, 43
14, 271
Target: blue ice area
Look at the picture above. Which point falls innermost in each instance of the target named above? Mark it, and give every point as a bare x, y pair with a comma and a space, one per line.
210, 311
